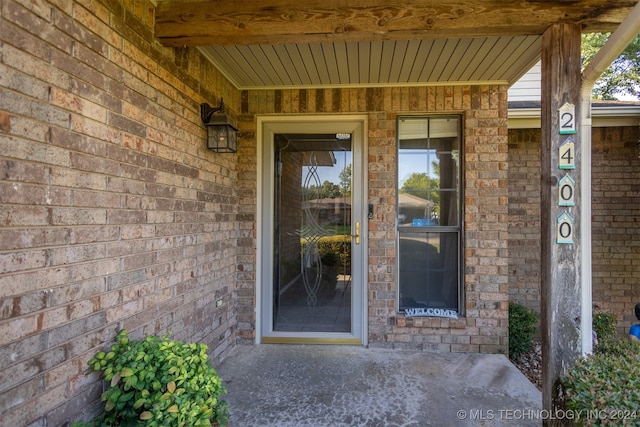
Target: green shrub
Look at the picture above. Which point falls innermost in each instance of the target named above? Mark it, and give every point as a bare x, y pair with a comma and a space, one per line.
159, 382
339, 244
604, 324
606, 385
522, 326
329, 258
616, 346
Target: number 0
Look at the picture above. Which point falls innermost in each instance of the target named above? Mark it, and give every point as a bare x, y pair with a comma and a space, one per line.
566, 192
565, 230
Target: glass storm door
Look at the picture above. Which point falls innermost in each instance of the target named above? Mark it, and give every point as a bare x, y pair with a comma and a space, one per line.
316, 239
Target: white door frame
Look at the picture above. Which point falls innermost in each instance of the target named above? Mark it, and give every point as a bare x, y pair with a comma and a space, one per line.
267, 128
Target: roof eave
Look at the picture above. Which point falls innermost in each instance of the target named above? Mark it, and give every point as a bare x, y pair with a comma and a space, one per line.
603, 116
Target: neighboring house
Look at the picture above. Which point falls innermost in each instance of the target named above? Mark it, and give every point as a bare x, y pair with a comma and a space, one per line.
115, 215
615, 201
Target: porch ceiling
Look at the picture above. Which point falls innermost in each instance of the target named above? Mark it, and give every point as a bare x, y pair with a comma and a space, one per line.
260, 44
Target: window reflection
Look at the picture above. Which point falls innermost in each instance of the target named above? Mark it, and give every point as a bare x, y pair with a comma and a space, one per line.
428, 170
312, 233
429, 211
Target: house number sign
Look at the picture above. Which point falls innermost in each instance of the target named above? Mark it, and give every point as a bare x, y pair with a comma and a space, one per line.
566, 161
564, 228
567, 154
567, 119
566, 191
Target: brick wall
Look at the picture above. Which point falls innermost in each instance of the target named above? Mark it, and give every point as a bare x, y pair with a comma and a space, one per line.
615, 220
524, 217
484, 110
113, 213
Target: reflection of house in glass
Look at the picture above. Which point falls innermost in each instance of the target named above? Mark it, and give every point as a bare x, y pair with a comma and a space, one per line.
337, 210
412, 207
318, 157
333, 211
325, 210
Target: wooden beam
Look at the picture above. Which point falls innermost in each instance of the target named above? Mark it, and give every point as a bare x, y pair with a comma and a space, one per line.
561, 222
243, 22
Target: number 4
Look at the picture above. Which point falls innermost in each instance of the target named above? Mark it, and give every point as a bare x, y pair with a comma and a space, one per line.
566, 154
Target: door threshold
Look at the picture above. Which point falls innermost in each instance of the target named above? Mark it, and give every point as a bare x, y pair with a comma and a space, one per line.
311, 340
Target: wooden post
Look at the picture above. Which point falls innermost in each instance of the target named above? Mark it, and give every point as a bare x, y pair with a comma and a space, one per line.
560, 213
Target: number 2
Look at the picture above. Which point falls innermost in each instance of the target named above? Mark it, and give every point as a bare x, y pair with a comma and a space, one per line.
568, 121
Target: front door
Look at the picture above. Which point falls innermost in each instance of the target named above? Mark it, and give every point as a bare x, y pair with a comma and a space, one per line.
312, 231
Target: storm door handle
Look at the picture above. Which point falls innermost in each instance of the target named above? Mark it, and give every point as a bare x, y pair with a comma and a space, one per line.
357, 235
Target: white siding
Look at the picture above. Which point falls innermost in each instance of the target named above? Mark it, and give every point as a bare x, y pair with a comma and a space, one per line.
528, 87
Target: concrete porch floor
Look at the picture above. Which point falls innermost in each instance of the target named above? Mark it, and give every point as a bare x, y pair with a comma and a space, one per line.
328, 385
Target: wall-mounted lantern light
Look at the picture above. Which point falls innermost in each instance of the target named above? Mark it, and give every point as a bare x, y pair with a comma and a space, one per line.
222, 136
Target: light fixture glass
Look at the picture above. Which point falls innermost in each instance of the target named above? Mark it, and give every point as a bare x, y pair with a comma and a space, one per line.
222, 134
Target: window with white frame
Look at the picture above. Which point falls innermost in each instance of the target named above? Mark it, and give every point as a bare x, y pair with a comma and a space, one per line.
429, 212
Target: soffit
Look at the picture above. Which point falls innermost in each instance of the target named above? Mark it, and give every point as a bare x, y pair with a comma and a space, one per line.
377, 63
260, 44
